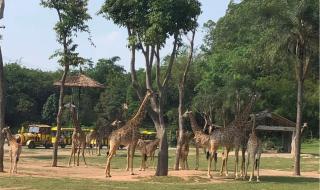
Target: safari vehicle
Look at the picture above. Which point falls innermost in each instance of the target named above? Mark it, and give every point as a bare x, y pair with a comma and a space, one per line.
66, 135
34, 135
147, 134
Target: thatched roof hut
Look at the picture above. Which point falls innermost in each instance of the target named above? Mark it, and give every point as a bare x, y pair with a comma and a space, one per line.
80, 80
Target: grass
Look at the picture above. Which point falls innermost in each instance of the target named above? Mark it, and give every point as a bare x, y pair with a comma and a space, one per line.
157, 183
311, 147
171, 182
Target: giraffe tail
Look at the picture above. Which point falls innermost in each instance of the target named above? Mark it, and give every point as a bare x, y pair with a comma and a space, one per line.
145, 157
208, 155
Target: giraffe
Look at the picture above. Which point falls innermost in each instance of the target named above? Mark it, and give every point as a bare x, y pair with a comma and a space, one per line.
202, 139
92, 136
15, 149
147, 149
224, 137
127, 135
104, 129
78, 138
186, 138
240, 127
254, 150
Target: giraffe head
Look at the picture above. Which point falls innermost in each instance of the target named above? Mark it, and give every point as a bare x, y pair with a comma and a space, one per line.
5, 129
150, 93
186, 114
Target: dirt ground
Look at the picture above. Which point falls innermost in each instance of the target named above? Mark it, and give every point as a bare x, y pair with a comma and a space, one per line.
42, 168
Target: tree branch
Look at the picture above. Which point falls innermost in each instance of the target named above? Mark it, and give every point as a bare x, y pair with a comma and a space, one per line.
172, 58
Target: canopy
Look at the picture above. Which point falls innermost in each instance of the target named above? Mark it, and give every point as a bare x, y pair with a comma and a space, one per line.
80, 80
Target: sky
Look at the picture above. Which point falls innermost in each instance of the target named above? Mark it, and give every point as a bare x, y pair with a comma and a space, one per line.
29, 38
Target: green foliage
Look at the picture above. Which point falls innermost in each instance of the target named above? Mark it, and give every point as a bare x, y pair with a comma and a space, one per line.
27, 91
50, 109
72, 19
110, 105
250, 50
152, 22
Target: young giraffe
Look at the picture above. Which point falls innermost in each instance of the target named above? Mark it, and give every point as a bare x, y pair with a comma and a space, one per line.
127, 135
254, 150
92, 136
186, 138
15, 149
78, 138
147, 149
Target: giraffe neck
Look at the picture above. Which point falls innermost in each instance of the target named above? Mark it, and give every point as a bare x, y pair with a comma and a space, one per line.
194, 125
138, 117
243, 117
10, 137
75, 121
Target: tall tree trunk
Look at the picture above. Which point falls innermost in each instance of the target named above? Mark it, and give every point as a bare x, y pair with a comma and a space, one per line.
162, 167
179, 140
59, 117
298, 122
2, 111
181, 88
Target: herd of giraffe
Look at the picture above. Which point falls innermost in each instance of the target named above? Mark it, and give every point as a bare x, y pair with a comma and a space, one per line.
232, 137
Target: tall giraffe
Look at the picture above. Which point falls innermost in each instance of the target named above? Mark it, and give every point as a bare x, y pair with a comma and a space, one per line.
202, 139
127, 135
15, 149
237, 131
78, 138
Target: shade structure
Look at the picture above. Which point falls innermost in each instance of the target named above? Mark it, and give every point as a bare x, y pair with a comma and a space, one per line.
80, 80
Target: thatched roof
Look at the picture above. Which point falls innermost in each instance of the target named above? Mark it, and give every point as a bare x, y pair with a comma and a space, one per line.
80, 80
266, 118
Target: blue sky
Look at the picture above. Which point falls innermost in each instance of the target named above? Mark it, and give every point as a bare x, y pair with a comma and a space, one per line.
30, 39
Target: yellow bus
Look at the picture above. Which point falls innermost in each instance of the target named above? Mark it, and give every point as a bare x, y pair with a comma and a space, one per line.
66, 135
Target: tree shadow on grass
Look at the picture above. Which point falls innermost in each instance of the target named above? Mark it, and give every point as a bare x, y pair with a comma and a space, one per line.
286, 179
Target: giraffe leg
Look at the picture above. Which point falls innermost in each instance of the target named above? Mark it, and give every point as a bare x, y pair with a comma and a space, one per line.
213, 150
83, 156
128, 157
11, 164
236, 155
131, 157
243, 162
74, 156
112, 151
197, 157
78, 155
70, 157
246, 166
258, 168
187, 166
15, 164
253, 163
226, 162
222, 163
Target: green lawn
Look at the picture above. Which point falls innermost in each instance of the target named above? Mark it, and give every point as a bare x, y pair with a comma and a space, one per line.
272, 183
119, 161
311, 147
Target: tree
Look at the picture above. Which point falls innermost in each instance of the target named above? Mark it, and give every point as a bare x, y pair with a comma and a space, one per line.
181, 87
72, 15
50, 109
110, 104
279, 46
2, 98
300, 35
149, 25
